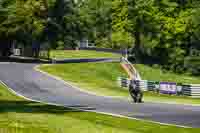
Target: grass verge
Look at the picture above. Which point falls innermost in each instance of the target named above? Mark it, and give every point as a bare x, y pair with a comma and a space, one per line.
101, 79
156, 74
21, 116
61, 54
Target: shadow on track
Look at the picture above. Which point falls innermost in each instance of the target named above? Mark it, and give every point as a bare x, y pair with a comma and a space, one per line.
34, 107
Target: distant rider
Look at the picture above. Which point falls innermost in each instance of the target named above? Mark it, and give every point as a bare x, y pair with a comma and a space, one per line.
135, 91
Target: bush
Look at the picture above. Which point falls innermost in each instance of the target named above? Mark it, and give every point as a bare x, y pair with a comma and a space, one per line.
103, 43
60, 45
192, 63
156, 66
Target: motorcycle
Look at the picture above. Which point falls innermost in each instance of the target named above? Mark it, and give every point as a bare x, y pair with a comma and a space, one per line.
135, 92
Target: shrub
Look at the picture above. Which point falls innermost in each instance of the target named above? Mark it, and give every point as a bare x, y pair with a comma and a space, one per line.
192, 63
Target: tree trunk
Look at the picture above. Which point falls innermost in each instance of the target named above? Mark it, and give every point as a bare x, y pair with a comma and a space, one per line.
137, 42
137, 36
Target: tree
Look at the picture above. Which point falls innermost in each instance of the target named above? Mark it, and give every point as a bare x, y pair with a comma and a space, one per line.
120, 24
135, 18
97, 16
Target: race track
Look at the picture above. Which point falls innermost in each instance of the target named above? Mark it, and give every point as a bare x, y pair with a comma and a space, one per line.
24, 80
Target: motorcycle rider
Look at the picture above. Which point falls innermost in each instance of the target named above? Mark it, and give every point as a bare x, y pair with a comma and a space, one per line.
135, 91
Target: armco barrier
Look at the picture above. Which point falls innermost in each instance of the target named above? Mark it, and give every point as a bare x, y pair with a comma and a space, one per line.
145, 85
103, 50
123, 82
163, 87
142, 84
191, 90
151, 85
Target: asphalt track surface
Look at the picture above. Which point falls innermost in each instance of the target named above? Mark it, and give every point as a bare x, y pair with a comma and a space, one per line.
23, 79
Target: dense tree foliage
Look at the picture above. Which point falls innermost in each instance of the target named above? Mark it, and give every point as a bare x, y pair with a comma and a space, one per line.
164, 31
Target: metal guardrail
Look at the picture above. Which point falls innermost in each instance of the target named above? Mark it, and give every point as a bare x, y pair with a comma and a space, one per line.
192, 90
123, 82
170, 88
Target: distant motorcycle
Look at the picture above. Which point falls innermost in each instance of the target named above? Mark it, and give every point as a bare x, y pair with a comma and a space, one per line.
135, 92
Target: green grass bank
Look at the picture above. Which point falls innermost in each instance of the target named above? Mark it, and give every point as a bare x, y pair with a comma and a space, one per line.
63, 54
156, 74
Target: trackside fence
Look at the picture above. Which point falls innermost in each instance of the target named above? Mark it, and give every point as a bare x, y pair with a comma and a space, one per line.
192, 90
170, 88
